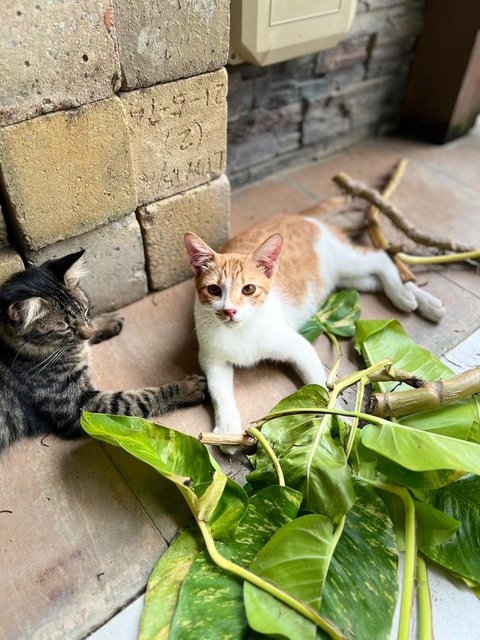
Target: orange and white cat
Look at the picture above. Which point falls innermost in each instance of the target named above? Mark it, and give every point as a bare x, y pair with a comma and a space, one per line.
252, 299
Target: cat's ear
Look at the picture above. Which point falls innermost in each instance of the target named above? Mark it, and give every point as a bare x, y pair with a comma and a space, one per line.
199, 253
268, 254
68, 269
27, 311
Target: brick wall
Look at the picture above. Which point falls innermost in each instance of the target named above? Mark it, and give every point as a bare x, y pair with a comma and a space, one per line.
112, 137
305, 108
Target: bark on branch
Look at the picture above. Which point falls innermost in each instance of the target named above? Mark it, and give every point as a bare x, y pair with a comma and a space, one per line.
360, 190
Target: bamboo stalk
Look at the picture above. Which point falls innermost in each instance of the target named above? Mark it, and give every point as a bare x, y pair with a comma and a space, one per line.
431, 396
360, 190
232, 439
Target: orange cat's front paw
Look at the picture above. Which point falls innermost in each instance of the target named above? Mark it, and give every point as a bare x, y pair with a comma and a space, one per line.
231, 425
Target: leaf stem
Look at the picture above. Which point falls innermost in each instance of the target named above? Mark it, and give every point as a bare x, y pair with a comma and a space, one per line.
258, 435
342, 384
334, 412
299, 606
355, 421
356, 376
410, 555
334, 371
424, 605
449, 257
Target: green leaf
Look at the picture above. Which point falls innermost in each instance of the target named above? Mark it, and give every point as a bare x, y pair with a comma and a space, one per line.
460, 500
164, 586
421, 450
296, 560
211, 600
416, 479
337, 315
433, 526
179, 458
360, 591
321, 473
378, 339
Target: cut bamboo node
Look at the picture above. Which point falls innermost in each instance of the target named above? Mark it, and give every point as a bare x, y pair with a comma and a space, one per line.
431, 396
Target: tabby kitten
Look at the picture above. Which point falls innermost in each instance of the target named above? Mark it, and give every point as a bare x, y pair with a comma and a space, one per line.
45, 332
250, 302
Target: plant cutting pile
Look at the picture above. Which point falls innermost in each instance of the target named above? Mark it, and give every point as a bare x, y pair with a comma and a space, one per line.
309, 547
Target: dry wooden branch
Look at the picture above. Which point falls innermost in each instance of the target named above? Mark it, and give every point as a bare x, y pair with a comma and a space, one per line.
361, 190
233, 439
378, 238
389, 374
431, 396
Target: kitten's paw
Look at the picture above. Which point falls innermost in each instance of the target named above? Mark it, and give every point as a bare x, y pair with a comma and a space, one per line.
429, 306
232, 425
106, 327
192, 390
403, 299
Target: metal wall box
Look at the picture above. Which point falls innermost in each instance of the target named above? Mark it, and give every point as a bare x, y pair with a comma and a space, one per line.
266, 31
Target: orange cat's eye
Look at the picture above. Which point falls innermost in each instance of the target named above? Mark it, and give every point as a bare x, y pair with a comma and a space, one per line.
248, 289
214, 290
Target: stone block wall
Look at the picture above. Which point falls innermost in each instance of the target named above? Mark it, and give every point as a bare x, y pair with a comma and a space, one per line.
112, 137
302, 109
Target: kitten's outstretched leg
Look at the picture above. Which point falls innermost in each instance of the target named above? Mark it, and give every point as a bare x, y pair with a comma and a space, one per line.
220, 386
149, 402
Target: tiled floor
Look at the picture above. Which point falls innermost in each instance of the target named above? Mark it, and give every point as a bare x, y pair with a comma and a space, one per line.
87, 522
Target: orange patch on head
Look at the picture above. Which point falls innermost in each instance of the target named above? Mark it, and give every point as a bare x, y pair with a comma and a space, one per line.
257, 258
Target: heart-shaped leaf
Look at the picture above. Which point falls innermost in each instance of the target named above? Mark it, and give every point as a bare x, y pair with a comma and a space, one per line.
320, 472
164, 586
337, 315
461, 553
295, 559
210, 604
361, 586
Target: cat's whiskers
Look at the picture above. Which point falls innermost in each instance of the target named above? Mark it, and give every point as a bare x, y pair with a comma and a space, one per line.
18, 353
50, 360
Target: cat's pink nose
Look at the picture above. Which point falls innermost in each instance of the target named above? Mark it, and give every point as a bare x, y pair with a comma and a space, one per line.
230, 313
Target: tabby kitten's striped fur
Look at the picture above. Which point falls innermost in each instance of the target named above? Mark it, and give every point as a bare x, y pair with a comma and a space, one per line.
45, 331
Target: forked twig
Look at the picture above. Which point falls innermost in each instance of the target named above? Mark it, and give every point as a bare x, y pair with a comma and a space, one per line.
360, 190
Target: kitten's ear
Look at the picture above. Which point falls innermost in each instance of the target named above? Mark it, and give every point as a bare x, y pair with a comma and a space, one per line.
26, 311
68, 269
268, 253
199, 253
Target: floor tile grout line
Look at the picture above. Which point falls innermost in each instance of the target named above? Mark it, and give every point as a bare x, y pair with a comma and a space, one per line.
459, 285
136, 496
303, 191
441, 173
139, 594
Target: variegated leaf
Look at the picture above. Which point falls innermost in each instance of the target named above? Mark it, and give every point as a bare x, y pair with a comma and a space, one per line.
211, 602
164, 586
337, 315
361, 586
296, 560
